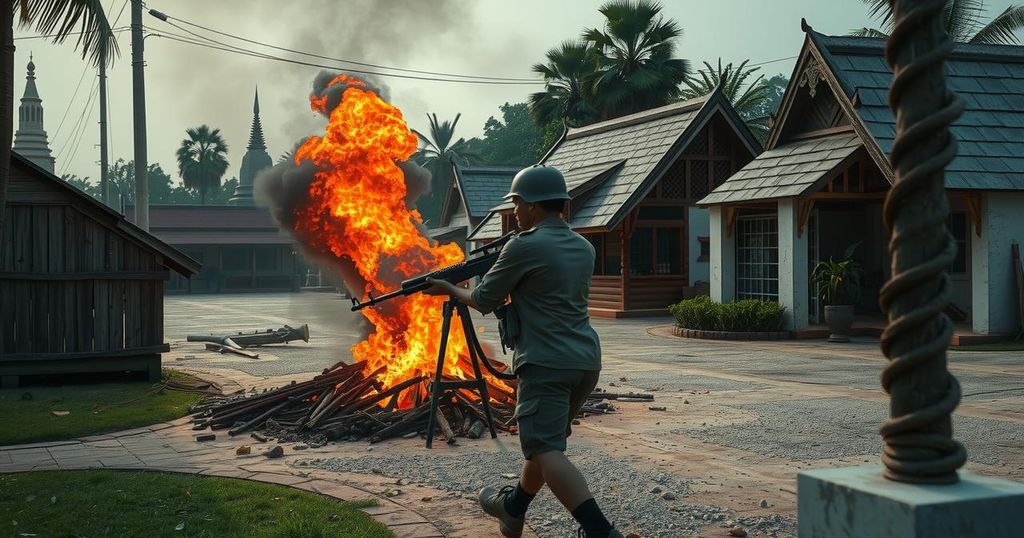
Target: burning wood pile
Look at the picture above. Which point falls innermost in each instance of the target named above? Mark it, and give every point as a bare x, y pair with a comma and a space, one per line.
345, 404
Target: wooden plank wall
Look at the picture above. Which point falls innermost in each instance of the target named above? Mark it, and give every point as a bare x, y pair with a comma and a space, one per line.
69, 285
653, 292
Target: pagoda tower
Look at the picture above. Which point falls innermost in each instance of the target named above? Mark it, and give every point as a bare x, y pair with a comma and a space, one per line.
30, 138
256, 158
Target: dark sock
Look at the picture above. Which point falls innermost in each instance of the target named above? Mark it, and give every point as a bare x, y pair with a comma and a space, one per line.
517, 503
593, 521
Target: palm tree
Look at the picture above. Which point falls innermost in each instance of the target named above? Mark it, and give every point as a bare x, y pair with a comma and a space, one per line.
436, 155
965, 22
57, 19
733, 79
201, 160
564, 98
635, 69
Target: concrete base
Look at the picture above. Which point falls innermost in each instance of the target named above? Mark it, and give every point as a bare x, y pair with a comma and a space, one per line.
858, 502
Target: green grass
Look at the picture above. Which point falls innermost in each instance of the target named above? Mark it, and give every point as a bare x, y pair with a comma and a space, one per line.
112, 503
992, 346
90, 412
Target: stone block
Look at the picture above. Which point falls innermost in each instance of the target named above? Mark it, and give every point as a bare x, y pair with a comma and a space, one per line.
851, 502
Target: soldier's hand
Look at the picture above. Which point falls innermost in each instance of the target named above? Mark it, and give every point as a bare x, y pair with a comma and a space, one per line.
439, 287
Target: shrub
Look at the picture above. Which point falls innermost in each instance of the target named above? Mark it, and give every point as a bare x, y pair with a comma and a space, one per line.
751, 315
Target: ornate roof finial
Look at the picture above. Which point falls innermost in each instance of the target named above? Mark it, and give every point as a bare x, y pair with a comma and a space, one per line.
31, 66
256, 102
256, 133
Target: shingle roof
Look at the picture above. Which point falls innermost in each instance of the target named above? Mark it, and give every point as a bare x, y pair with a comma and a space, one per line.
989, 79
786, 170
483, 187
614, 161
642, 140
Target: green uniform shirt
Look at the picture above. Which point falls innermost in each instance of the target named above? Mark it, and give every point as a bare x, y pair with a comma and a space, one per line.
546, 270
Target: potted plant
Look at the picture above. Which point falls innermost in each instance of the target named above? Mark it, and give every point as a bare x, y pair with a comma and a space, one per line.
839, 288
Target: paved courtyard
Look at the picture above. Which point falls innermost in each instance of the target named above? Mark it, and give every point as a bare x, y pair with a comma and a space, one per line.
741, 419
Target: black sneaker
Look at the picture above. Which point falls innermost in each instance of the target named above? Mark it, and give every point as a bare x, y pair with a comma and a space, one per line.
492, 500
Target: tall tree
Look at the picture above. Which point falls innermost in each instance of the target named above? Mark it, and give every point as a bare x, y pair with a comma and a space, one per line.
636, 68
436, 154
564, 98
747, 98
511, 141
964, 22
121, 176
56, 19
202, 160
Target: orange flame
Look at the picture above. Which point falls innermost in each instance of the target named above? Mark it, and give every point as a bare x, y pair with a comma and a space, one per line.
358, 212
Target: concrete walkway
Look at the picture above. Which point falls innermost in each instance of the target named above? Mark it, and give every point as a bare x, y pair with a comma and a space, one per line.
171, 447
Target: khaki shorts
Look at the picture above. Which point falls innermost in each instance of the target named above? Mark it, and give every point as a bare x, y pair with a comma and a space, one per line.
549, 399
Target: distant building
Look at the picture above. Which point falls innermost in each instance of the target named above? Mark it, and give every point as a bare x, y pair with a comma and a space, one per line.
256, 159
240, 245
30, 138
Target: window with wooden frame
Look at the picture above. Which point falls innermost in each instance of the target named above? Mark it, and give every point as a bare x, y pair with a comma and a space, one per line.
656, 251
958, 228
862, 176
606, 262
508, 222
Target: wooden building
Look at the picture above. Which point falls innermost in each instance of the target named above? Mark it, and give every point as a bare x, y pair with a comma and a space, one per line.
81, 289
474, 192
240, 246
821, 183
634, 182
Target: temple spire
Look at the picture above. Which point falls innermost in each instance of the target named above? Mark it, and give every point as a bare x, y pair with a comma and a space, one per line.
254, 160
30, 139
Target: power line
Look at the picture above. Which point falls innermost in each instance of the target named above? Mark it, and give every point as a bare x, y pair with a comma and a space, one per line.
774, 61
70, 101
78, 141
167, 18
247, 52
45, 36
78, 123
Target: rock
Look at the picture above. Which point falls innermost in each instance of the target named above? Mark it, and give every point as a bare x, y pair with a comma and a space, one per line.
403, 481
275, 452
764, 503
300, 446
656, 489
376, 471
410, 435
243, 450
60, 413
509, 476
427, 499
669, 496
739, 532
180, 526
258, 437
575, 422
686, 401
369, 449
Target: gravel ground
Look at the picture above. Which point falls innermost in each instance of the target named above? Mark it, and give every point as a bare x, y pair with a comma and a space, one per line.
801, 430
630, 497
655, 380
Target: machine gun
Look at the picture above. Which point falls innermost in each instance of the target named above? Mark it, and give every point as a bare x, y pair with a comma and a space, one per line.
459, 272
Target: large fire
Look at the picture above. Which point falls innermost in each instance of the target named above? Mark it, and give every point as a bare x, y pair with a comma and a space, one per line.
359, 213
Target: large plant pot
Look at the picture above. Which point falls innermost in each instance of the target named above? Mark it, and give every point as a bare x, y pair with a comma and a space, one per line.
839, 319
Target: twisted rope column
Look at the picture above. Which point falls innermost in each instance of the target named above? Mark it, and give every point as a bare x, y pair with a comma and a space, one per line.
919, 445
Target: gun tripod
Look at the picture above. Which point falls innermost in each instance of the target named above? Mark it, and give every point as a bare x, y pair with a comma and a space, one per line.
476, 355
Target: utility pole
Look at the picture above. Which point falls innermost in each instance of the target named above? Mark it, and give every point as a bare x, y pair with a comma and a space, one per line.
104, 181
139, 119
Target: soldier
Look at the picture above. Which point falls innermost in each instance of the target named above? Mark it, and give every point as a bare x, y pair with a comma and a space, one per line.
546, 271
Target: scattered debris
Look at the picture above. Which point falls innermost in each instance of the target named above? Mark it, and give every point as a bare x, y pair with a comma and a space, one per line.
205, 437
300, 446
180, 526
238, 342
258, 437
739, 532
656, 408
243, 450
275, 452
60, 413
764, 503
669, 496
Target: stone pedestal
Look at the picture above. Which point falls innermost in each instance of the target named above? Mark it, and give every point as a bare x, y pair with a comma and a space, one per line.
858, 502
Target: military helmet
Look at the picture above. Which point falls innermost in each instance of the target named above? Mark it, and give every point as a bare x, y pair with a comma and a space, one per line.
538, 183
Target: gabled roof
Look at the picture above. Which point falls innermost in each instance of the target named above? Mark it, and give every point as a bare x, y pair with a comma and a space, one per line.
172, 257
482, 187
988, 78
787, 170
188, 224
616, 162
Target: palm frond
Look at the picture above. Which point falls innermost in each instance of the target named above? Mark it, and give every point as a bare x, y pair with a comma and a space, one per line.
62, 18
1003, 29
868, 32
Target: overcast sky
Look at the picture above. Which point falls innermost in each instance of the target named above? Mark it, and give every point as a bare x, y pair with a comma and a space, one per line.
188, 85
